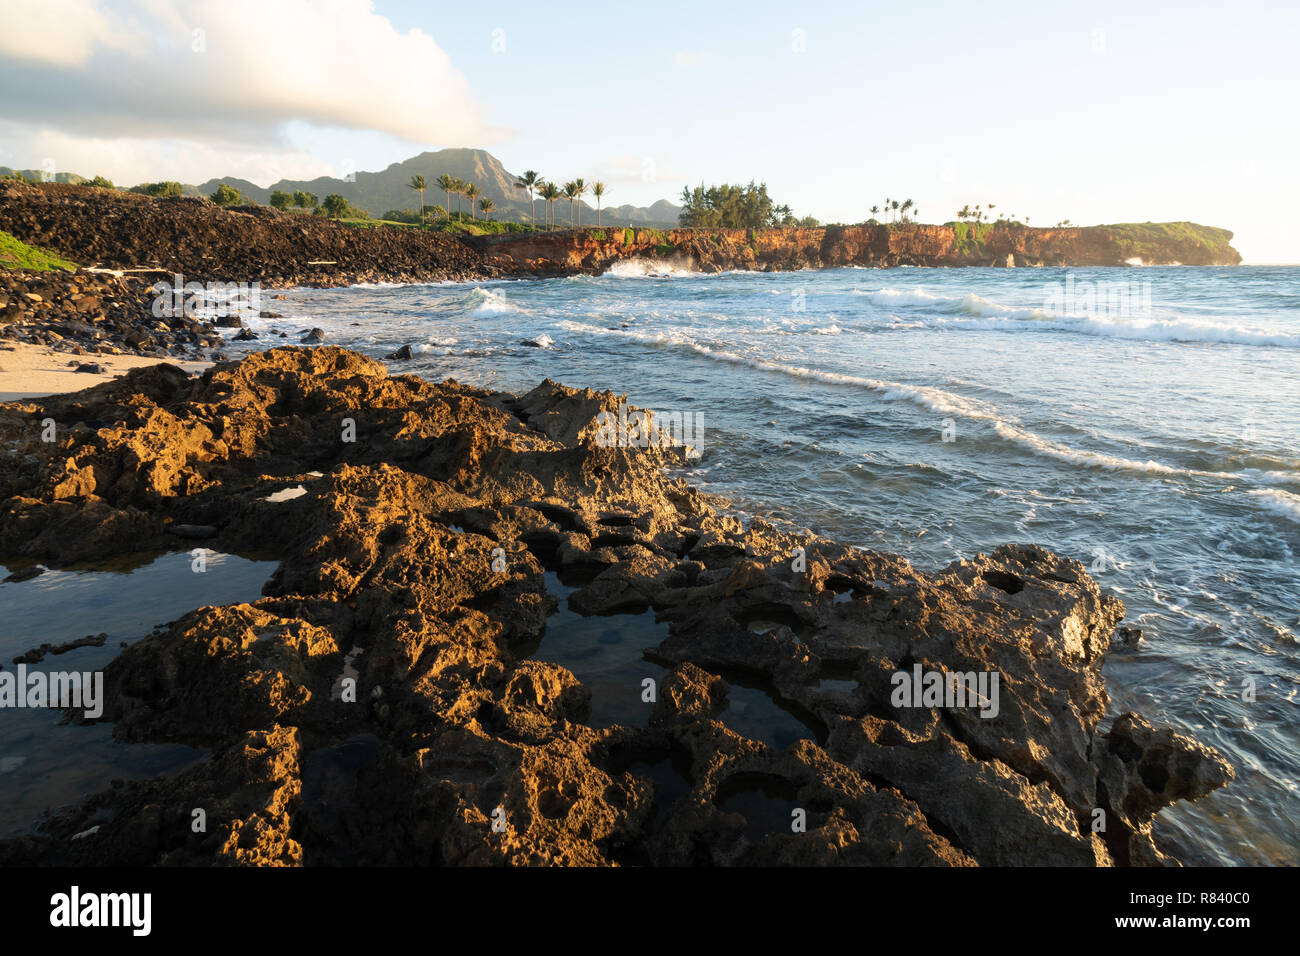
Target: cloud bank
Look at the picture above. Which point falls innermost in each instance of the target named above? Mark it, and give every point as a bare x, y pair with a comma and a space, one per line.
142, 80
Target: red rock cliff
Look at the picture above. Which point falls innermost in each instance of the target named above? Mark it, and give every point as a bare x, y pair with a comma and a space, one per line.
960, 244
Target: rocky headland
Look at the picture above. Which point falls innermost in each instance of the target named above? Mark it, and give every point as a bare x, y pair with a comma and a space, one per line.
880, 246
193, 237
414, 564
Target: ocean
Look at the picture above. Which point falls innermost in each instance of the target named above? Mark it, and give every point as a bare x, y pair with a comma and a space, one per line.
1144, 421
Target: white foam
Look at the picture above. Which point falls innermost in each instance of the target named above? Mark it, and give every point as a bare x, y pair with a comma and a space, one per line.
934, 399
639, 268
987, 315
1279, 502
489, 301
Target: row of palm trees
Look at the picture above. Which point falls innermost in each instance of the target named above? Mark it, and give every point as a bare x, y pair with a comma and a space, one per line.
454, 187
530, 181
550, 193
897, 210
978, 214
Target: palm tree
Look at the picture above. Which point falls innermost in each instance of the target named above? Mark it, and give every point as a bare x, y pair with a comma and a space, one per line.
471, 193
579, 188
907, 204
464, 191
570, 192
447, 184
418, 183
598, 190
886, 209
487, 205
894, 206
530, 180
549, 192
875, 211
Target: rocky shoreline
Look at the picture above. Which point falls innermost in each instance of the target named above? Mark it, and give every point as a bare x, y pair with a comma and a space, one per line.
89, 314
415, 562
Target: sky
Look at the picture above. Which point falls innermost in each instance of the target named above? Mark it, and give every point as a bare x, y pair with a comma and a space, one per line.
1098, 112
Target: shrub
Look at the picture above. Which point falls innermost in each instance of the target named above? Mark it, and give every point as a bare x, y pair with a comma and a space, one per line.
160, 190
228, 195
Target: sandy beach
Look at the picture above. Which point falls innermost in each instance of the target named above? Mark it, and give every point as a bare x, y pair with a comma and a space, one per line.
31, 371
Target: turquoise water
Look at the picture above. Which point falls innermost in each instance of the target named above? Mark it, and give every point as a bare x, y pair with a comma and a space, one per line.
45, 763
1143, 421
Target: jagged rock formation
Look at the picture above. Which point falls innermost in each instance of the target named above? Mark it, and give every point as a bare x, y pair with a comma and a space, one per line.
415, 565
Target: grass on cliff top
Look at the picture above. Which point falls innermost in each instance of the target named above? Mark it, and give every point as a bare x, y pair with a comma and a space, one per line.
1138, 238
19, 255
469, 228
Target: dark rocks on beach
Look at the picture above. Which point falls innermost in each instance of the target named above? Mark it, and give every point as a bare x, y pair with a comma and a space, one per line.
404, 354
380, 703
94, 368
246, 335
26, 574
314, 336
1129, 636
228, 322
86, 313
37, 654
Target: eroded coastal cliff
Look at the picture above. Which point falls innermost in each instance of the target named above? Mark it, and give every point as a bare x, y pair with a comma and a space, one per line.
906, 244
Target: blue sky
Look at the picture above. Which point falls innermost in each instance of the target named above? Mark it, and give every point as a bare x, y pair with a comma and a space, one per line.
1096, 113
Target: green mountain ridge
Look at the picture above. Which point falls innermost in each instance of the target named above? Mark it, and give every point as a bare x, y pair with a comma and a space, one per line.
378, 192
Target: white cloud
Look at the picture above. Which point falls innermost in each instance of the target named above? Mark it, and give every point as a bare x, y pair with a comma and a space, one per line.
221, 77
689, 59
59, 32
129, 161
630, 168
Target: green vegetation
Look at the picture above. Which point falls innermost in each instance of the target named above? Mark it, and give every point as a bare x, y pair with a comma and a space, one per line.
629, 236
336, 207
102, 182
549, 193
1151, 241
298, 200
160, 190
419, 184
530, 181
970, 236
227, 195
735, 207
18, 255
401, 217
598, 234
